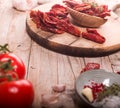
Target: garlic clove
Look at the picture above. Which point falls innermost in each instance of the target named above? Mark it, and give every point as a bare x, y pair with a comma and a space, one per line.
87, 92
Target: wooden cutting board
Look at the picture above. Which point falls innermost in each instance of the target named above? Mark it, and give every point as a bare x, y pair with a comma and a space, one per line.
76, 46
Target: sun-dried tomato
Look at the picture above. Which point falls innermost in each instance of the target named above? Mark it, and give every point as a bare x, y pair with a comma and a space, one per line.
91, 66
59, 10
80, 8
70, 3
92, 31
93, 35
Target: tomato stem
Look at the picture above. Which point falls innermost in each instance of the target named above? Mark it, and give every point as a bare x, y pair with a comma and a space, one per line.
4, 48
8, 77
6, 66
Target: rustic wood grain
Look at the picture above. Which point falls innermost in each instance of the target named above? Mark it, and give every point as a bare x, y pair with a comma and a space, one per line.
45, 67
115, 62
41, 71
76, 46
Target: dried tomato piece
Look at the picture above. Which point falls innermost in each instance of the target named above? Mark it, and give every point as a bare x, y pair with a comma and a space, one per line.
59, 10
92, 31
104, 14
91, 66
35, 18
69, 28
73, 30
71, 3
82, 8
93, 37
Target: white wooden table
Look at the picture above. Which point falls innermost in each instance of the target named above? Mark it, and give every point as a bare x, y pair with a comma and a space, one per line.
44, 67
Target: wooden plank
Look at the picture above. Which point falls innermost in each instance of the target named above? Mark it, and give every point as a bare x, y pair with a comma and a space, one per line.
106, 64
47, 70
42, 71
65, 72
17, 37
115, 61
4, 4
6, 15
65, 38
77, 64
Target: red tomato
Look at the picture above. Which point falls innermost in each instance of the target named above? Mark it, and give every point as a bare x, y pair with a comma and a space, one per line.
16, 94
16, 62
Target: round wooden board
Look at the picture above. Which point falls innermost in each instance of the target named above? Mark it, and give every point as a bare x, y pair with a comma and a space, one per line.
76, 46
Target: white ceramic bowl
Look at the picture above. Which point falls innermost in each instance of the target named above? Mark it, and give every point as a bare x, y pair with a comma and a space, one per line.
98, 76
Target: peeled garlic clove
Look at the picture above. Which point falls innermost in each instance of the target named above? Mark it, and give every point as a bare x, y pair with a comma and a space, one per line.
24, 5
59, 88
44, 1
87, 92
47, 99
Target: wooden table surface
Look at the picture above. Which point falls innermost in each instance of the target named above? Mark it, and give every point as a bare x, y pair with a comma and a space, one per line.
44, 67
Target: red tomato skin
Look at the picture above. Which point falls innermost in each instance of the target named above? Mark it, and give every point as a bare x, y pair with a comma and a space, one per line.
17, 63
18, 93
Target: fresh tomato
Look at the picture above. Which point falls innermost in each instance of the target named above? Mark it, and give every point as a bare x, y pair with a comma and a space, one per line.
16, 94
16, 62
